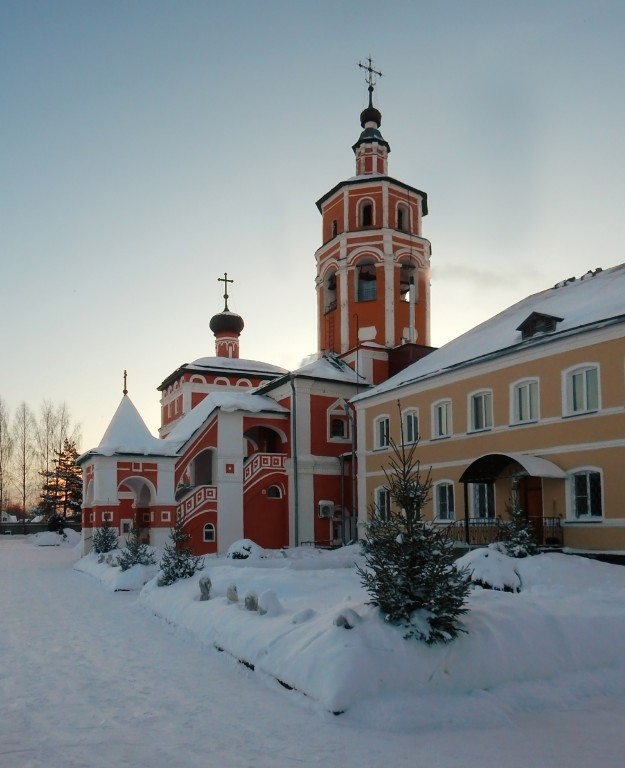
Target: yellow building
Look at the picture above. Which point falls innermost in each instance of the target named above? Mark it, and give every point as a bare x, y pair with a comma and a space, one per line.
531, 402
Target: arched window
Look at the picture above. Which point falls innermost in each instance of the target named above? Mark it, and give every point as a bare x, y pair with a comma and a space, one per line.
330, 292
366, 214
274, 492
403, 217
410, 426
366, 289
209, 532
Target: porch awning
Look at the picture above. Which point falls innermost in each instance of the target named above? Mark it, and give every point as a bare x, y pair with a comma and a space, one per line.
491, 466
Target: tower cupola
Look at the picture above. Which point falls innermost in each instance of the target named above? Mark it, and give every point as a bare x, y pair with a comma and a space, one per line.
227, 327
371, 149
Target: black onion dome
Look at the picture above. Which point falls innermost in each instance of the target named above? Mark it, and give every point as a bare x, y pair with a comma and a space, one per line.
370, 115
226, 321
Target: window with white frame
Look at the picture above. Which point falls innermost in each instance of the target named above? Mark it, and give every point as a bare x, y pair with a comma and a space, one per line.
338, 423
525, 401
410, 426
382, 427
441, 419
586, 494
481, 411
582, 390
383, 502
165, 516
484, 500
209, 532
444, 499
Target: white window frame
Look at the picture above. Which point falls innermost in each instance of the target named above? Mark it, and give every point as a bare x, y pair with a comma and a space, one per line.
576, 385
572, 495
485, 398
442, 505
337, 411
440, 430
522, 399
165, 516
410, 416
478, 489
214, 536
383, 501
382, 437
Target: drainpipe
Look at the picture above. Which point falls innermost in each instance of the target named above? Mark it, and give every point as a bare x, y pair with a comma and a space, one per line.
294, 456
342, 463
349, 409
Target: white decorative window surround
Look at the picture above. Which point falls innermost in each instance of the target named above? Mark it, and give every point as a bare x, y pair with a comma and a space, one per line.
524, 401
581, 390
586, 495
209, 532
381, 432
441, 419
444, 500
480, 411
410, 425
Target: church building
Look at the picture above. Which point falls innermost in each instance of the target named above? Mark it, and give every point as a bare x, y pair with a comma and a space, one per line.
247, 449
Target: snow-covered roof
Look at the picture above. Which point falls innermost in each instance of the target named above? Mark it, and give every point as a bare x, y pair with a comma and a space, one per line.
236, 365
594, 299
128, 434
331, 368
225, 401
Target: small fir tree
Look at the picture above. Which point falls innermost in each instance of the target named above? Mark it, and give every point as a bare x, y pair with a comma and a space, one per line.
178, 561
517, 534
104, 539
61, 492
410, 571
135, 552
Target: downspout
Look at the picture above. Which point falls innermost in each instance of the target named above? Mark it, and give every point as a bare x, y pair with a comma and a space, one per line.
342, 463
466, 514
354, 524
294, 455
411, 299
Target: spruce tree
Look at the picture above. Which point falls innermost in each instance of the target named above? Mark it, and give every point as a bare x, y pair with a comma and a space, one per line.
517, 534
178, 561
104, 539
410, 572
62, 486
135, 552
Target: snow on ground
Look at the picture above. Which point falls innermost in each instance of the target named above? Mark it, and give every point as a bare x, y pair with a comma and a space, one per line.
92, 678
556, 642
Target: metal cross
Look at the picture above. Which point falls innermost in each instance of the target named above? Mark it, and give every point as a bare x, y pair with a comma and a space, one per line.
225, 280
125, 383
371, 72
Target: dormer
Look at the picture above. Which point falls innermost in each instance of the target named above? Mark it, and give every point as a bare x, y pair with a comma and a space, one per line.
538, 323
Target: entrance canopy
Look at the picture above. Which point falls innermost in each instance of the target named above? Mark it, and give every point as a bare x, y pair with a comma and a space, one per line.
491, 466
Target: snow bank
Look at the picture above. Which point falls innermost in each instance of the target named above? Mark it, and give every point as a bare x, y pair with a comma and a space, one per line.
559, 638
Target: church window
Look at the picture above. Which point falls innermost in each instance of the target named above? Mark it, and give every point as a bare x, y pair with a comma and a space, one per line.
274, 492
406, 279
330, 292
337, 428
403, 218
366, 215
334, 228
366, 289
209, 532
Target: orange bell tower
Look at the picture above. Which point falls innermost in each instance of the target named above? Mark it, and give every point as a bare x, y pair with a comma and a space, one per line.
373, 267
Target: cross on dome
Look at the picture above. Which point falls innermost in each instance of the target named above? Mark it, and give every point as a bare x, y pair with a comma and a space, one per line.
225, 280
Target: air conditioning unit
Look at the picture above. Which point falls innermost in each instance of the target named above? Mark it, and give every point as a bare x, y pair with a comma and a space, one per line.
326, 508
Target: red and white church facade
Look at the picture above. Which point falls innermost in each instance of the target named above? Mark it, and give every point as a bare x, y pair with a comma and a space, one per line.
249, 450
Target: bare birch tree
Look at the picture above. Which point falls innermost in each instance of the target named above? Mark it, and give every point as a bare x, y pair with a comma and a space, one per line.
24, 434
6, 450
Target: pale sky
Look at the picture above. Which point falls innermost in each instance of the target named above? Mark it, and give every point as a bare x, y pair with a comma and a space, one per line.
146, 147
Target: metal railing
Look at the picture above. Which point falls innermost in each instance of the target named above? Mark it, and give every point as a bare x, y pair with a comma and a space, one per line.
483, 531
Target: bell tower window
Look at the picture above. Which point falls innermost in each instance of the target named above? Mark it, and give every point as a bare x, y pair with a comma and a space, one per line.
366, 286
330, 292
366, 215
403, 218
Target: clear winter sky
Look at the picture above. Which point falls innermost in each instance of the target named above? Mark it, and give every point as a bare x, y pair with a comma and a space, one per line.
146, 147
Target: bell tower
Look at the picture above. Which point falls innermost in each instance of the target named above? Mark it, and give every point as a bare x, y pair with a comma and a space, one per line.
373, 267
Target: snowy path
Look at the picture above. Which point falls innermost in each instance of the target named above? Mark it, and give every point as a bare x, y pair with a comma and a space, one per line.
88, 680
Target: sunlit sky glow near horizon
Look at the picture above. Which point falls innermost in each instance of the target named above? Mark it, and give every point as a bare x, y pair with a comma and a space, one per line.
148, 147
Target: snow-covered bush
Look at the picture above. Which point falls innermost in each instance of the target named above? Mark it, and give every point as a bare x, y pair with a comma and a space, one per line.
104, 539
410, 571
135, 552
243, 549
489, 568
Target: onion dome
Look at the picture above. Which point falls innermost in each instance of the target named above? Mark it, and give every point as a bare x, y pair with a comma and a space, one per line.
226, 322
370, 115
